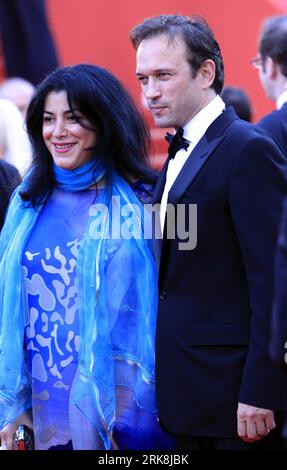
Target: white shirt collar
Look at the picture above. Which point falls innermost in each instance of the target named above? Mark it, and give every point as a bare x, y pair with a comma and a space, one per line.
282, 99
197, 126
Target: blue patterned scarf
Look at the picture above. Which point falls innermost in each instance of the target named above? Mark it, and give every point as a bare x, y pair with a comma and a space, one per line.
111, 302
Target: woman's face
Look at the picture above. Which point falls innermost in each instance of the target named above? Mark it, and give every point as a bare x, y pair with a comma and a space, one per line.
66, 140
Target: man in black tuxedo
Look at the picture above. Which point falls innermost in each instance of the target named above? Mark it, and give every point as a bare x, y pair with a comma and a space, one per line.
272, 65
217, 387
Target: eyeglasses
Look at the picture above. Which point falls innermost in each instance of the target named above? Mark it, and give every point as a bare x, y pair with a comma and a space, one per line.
257, 62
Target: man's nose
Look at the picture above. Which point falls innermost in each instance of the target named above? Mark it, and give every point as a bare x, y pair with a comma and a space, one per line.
152, 90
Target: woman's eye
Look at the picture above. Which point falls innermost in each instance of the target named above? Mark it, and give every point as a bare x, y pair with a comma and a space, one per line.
47, 119
74, 118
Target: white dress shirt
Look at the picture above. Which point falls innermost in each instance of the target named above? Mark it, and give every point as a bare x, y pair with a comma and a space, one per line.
282, 99
193, 131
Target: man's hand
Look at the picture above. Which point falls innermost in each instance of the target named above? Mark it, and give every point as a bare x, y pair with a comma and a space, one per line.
253, 423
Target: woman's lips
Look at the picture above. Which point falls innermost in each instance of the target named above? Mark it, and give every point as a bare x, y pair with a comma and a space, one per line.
63, 148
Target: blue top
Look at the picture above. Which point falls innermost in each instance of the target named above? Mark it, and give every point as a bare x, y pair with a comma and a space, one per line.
52, 337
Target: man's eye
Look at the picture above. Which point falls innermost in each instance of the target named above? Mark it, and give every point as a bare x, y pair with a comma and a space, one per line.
164, 75
142, 79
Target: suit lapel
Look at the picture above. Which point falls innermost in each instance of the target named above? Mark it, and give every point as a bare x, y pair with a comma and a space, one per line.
160, 184
157, 240
197, 158
192, 166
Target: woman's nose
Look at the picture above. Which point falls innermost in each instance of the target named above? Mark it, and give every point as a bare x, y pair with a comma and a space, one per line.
60, 128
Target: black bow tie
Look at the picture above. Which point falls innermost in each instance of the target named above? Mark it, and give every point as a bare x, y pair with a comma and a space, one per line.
176, 142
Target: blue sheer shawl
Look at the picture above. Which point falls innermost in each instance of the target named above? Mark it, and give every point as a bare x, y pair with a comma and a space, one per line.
111, 302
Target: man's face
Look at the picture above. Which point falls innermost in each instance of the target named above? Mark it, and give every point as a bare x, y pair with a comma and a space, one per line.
173, 95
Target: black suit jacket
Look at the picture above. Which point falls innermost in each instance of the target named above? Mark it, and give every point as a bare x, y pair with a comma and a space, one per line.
9, 179
275, 124
214, 312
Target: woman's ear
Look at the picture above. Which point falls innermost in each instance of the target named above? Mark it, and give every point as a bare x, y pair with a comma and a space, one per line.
207, 71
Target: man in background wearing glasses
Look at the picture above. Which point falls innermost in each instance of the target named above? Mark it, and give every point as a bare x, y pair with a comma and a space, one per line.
272, 65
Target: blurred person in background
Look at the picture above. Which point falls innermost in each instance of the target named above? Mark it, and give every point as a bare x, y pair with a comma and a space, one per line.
86, 283
14, 142
238, 98
27, 42
9, 180
19, 91
271, 63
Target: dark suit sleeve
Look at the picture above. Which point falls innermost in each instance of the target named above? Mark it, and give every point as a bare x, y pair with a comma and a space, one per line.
275, 124
278, 343
256, 195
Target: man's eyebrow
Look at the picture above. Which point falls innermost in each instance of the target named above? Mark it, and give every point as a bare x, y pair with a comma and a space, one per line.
156, 71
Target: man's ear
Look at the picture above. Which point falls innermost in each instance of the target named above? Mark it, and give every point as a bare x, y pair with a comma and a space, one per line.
271, 68
207, 71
